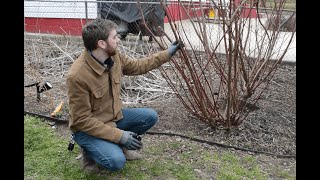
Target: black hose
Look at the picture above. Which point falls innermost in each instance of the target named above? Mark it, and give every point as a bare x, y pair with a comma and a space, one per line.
58, 121
173, 134
223, 145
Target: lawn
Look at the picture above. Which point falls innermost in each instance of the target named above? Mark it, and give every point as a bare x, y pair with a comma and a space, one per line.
46, 157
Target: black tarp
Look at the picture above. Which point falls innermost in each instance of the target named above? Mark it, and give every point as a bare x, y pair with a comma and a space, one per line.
130, 13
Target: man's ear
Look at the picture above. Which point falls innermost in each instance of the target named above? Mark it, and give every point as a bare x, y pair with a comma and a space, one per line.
102, 44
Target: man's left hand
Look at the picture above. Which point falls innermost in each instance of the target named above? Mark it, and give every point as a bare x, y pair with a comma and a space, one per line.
174, 47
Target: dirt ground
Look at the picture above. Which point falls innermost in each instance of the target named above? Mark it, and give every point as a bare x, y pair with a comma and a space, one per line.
270, 128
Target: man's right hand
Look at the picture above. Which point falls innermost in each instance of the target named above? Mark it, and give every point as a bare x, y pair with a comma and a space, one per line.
130, 142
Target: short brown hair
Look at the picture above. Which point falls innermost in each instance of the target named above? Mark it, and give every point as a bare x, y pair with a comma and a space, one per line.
96, 30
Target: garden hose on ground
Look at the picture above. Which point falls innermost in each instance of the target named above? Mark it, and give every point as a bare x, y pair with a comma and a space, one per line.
59, 121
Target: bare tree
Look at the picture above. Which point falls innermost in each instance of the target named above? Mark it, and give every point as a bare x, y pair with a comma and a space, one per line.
227, 61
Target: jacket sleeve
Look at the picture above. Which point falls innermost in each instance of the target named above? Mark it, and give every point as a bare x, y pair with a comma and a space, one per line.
81, 116
143, 65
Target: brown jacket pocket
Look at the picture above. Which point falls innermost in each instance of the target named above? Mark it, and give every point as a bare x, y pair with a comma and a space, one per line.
98, 94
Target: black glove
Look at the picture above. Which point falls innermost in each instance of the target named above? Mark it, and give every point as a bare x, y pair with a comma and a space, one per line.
129, 142
174, 47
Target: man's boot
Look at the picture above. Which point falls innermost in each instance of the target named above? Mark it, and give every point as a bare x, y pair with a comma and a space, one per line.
131, 154
87, 163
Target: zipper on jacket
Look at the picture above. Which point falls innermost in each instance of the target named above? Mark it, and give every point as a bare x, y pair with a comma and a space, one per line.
110, 82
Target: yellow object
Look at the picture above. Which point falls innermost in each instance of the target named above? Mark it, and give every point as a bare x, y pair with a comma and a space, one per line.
211, 13
58, 108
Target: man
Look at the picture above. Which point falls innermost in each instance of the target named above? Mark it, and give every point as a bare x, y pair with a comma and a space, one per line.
100, 125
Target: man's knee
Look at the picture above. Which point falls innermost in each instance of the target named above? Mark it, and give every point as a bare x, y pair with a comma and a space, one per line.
115, 163
153, 116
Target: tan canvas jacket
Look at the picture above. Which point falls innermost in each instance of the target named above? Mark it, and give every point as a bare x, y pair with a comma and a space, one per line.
94, 93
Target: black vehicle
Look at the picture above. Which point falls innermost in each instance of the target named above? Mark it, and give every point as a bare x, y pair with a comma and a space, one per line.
127, 15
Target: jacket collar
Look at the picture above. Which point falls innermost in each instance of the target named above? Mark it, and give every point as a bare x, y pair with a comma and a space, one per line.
98, 68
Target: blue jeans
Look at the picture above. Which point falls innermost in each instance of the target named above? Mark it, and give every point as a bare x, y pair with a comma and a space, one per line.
108, 154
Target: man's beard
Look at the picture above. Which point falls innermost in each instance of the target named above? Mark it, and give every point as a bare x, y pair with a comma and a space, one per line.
111, 52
